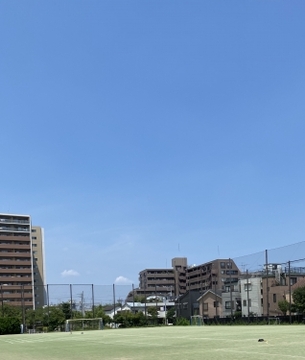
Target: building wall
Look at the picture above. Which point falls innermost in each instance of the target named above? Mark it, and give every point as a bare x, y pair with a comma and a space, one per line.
37, 236
157, 281
16, 275
212, 275
179, 266
253, 287
210, 305
227, 303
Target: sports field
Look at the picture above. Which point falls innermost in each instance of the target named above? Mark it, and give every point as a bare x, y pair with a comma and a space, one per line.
185, 343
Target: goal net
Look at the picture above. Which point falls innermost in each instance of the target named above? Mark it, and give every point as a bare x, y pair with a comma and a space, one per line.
84, 324
197, 320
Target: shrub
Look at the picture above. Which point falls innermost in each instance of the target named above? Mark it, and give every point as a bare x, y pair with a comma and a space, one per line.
9, 325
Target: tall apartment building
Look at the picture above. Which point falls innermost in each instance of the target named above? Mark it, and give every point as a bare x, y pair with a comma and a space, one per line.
181, 278
213, 275
21, 261
164, 281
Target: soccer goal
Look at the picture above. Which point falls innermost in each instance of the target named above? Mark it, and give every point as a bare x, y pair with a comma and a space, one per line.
84, 324
197, 320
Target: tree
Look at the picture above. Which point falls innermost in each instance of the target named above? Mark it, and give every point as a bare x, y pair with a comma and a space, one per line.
170, 315
153, 312
9, 325
299, 299
283, 306
99, 312
56, 318
66, 309
11, 311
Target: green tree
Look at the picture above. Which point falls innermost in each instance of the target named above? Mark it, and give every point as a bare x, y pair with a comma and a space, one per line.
66, 309
99, 312
56, 318
283, 305
9, 325
11, 311
170, 315
153, 312
299, 299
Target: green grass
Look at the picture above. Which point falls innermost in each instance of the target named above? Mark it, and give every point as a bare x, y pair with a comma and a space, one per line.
168, 343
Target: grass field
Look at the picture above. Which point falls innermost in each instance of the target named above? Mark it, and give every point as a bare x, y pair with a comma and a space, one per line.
185, 343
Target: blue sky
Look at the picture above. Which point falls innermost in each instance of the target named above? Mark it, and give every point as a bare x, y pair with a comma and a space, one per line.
137, 131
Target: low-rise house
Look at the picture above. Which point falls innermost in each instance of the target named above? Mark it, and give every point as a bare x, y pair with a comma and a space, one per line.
187, 304
210, 305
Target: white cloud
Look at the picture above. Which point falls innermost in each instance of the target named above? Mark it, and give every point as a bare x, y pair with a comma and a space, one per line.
71, 272
121, 280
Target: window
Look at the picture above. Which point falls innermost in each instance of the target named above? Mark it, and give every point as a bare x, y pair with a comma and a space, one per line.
247, 287
244, 302
34, 237
222, 265
228, 305
274, 298
216, 304
231, 272
205, 306
249, 302
293, 280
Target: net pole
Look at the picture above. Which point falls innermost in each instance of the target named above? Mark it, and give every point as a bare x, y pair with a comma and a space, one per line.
267, 282
248, 307
231, 300
71, 302
92, 291
113, 293
289, 289
48, 304
133, 297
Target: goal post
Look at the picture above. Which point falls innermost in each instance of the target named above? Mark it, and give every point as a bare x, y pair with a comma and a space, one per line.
197, 320
84, 324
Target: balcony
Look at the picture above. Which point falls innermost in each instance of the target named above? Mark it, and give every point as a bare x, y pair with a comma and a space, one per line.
20, 262
15, 271
14, 220
14, 246
14, 279
13, 229
21, 237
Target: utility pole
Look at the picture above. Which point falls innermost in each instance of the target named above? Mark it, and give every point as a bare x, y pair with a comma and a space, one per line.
231, 300
289, 286
267, 282
247, 287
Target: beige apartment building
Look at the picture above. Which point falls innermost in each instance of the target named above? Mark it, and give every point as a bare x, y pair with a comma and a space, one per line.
21, 262
181, 278
213, 275
39, 273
